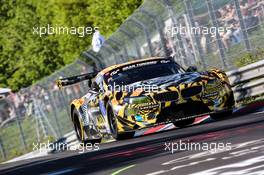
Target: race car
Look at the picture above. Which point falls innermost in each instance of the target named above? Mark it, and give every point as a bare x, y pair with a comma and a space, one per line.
144, 93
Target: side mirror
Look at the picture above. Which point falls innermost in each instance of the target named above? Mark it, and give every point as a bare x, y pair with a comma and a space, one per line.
192, 69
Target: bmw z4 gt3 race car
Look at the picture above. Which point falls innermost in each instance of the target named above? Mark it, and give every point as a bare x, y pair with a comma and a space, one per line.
127, 97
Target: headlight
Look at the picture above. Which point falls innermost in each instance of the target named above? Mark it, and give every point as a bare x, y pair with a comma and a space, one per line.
137, 100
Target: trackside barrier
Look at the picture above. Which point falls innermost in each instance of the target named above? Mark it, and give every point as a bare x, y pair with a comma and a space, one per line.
247, 81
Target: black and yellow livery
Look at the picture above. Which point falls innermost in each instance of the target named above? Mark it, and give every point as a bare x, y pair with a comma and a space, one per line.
126, 97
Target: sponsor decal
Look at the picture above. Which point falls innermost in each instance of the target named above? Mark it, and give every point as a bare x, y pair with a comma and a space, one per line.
139, 118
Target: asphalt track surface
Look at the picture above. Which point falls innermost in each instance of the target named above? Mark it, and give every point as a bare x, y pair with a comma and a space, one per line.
237, 147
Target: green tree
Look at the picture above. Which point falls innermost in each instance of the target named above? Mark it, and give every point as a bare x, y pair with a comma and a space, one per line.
26, 57
109, 15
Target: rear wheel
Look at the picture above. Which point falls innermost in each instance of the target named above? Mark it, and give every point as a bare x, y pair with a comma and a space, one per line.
77, 126
184, 123
81, 131
113, 127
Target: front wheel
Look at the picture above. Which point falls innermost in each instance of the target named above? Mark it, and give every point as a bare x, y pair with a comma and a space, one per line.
113, 127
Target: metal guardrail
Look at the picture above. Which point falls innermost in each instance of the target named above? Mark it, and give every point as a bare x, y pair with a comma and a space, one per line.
247, 81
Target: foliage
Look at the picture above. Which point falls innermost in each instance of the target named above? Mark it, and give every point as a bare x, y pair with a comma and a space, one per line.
26, 57
250, 57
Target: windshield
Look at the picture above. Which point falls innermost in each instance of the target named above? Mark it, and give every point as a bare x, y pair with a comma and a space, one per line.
135, 73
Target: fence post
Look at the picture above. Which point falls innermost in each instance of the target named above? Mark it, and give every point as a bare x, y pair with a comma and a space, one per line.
2, 149
198, 52
179, 42
134, 40
158, 25
54, 108
218, 38
141, 25
242, 25
65, 99
21, 132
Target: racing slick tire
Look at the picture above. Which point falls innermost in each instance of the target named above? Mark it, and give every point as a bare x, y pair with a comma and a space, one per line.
183, 123
113, 127
79, 130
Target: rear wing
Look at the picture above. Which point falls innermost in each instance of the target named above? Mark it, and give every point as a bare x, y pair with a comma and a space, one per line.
76, 79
